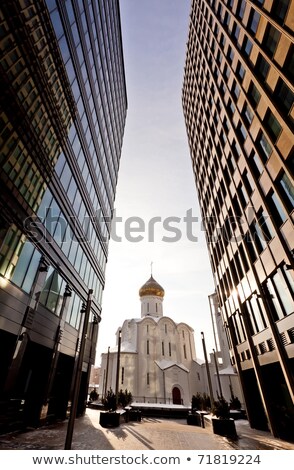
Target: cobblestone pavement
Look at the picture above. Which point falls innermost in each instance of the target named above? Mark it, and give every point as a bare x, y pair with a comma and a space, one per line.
149, 434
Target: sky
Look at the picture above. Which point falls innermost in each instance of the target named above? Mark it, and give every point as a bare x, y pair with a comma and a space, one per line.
156, 194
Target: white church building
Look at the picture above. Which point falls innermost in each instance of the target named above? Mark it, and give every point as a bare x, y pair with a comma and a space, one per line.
157, 358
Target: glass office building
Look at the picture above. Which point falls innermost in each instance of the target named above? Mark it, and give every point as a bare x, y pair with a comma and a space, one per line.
238, 98
63, 108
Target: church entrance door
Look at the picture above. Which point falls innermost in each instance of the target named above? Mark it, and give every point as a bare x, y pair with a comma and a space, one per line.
177, 396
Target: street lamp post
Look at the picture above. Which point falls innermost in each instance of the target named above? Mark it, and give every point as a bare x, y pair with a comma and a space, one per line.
117, 367
207, 370
217, 374
210, 299
106, 375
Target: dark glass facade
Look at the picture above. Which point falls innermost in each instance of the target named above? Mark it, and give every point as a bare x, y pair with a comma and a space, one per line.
63, 111
238, 99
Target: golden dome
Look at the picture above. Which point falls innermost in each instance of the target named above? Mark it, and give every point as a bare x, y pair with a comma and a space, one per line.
151, 287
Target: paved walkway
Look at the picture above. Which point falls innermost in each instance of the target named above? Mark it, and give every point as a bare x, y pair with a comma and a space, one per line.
149, 434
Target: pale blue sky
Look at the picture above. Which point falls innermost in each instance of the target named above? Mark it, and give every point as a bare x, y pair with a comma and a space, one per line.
156, 178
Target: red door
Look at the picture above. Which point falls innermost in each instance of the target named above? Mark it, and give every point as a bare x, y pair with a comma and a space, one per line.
177, 396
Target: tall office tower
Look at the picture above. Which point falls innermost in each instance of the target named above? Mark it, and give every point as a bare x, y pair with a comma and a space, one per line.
63, 109
238, 105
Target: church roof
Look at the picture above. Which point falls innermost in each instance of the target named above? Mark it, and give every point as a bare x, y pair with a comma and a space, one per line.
164, 364
151, 287
227, 371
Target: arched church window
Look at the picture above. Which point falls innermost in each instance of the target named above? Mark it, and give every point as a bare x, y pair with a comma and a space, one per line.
147, 346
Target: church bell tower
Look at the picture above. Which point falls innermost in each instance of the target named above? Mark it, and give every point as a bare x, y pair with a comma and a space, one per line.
151, 296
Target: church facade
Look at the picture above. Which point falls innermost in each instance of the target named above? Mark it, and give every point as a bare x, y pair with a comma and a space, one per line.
157, 357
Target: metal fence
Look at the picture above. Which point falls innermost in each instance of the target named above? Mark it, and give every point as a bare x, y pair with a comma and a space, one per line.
156, 400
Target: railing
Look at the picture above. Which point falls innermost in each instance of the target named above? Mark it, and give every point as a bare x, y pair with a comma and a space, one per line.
156, 400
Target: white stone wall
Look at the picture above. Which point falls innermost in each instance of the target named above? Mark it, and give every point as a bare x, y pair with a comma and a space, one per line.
151, 305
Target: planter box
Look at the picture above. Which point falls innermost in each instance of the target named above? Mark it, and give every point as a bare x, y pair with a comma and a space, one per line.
109, 419
224, 427
134, 415
194, 419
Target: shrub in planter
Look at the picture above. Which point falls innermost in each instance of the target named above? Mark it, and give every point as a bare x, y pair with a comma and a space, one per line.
221, 409
109, 401
124, 398
197, 402
222, 424
109, 418
94, 395
112, 418
206, 402
200, 402
235, 403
